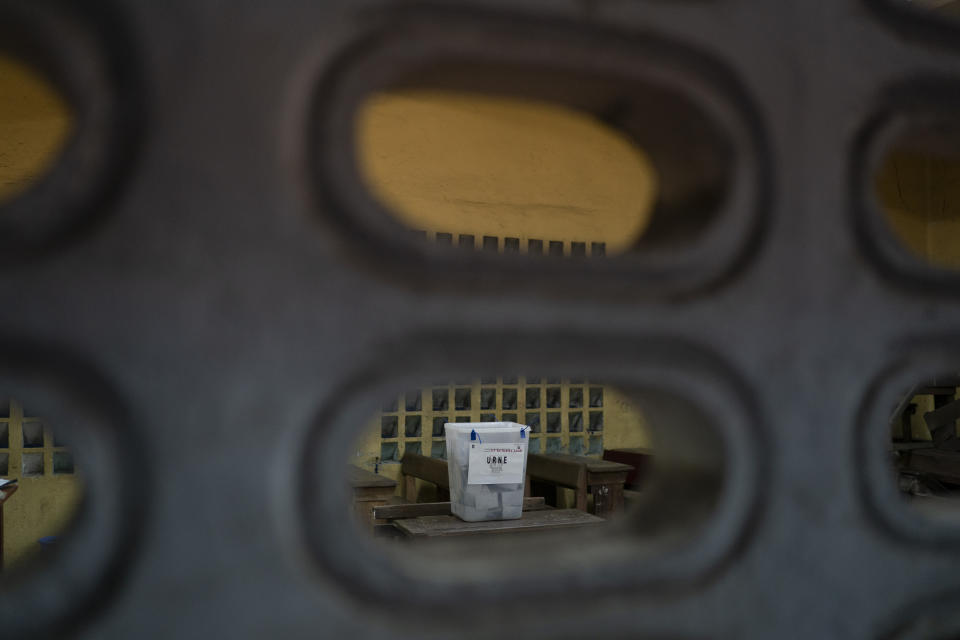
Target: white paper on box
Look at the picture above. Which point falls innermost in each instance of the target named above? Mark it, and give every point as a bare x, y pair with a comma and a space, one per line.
496, 463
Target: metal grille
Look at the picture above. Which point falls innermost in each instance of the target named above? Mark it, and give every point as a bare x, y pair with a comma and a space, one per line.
200, 285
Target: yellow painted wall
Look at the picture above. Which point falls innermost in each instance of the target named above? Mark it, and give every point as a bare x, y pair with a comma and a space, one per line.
34, 125
473, 164
44, 504
918, 425
920, 193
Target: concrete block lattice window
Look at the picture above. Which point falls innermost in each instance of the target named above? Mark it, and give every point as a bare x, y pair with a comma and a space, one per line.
564, 416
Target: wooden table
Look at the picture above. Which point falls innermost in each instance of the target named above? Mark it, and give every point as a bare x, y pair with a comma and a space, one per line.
641, 459
369, 491
940, 464
602, 478
414, 466
532, 521
5, 494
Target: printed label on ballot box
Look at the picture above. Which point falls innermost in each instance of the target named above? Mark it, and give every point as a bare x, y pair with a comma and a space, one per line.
497, 463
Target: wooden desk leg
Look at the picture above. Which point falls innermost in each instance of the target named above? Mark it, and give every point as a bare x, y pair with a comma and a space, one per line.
616, 497
581, 494
526, 487
410, 488
607, 499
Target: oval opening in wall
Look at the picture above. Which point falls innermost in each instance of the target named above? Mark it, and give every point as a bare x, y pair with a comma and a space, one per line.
925, 448
910, 429
35, 124
504, 174
459, 144
917, 188
616, 486
71, 508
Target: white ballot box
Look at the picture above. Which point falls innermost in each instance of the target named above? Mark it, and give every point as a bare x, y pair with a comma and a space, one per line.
487, 464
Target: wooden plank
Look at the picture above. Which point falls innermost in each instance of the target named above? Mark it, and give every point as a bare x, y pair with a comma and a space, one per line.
557, 469
532, 521
397, 511
606, 477
409, 489
365, 494
580, 497
636, 451
935, 391
358, 477
365, 499
607, 466
430, 469
640, 458
908, 446
394, 499
940, 464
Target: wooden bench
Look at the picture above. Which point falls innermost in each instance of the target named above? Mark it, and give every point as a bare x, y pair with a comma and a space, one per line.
433, 520
414, 466
941, 465
641, 459
416, 510
602, 478
425, 527
369, 491
386, 515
